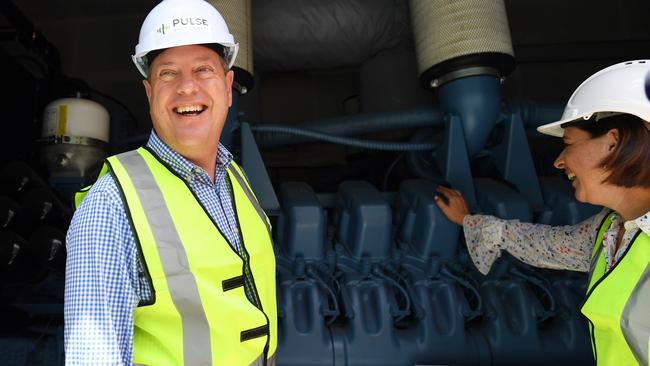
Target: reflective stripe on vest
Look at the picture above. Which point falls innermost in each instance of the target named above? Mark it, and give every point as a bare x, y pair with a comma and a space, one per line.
201, 315
618, 303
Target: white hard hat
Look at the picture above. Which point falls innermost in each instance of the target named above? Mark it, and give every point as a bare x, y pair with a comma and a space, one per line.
174, 23
618, 89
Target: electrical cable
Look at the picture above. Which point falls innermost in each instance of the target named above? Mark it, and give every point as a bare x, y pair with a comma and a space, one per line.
335, 312
390, 169
402, 313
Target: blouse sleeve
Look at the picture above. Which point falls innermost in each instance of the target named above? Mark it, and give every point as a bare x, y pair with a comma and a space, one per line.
555, 247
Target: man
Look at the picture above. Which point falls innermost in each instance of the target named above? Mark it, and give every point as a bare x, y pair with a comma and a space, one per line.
170, 260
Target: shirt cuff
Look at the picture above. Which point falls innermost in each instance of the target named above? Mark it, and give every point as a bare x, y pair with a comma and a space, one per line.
483, 237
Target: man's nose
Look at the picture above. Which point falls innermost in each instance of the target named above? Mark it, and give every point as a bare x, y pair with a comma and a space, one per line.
187, 85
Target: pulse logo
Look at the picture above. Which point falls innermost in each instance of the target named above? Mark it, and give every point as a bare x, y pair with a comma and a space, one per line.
163, 28
183, 23
189, 22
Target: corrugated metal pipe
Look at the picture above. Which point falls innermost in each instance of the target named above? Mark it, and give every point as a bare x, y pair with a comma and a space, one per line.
238, 16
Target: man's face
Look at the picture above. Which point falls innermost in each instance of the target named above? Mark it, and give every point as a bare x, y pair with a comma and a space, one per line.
189, 94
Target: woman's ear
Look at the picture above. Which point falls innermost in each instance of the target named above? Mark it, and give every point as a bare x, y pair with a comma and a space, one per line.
612, 139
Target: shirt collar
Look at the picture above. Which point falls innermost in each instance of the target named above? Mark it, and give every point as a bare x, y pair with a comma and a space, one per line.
179, 164
642, 223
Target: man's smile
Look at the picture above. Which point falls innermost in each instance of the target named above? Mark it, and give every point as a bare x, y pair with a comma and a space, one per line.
190, 110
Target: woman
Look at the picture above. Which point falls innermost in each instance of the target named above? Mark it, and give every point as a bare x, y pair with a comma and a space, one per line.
606, 132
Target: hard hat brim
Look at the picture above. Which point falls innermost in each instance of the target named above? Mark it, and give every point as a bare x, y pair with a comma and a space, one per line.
554, 128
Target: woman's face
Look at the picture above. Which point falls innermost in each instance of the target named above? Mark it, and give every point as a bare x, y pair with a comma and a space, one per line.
581, 159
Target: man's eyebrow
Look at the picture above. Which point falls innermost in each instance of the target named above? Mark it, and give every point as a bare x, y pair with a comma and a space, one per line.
168, 63
198, 59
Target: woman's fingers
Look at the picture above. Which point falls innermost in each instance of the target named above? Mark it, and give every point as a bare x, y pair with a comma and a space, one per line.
455, 207
448, 191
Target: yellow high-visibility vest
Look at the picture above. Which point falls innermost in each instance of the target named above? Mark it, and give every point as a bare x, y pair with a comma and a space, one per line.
199, 314
618, 303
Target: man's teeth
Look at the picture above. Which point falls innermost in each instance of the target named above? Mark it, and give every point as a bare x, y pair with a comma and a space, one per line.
190, 109
571, 176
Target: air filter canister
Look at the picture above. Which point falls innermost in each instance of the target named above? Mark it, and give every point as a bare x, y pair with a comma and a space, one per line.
452, 35
237, 14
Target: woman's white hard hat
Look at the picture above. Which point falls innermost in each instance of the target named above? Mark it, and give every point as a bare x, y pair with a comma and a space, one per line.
617, 89
174, 23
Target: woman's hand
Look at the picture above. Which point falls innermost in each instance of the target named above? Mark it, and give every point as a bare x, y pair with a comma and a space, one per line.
456, 208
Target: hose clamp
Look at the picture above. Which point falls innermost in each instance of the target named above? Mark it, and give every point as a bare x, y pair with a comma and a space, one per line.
462, 73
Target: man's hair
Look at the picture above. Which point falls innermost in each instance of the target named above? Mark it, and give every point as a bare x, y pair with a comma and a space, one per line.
629, 163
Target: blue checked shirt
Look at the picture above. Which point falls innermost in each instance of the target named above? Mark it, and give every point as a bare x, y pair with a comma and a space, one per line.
105, 280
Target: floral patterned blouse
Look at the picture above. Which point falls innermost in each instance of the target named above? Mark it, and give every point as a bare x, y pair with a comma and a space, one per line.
556, 247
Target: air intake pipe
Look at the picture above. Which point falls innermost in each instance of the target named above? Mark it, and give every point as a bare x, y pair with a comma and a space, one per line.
463, 49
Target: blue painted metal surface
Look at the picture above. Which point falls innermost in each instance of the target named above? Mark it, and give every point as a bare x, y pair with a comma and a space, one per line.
452, 160
369, 281
422, 228
515, 163
304, 309
500, 200
364, 221
376, 302
535, 113
477, 100
307, 301
301, 228
256, 172
228, 132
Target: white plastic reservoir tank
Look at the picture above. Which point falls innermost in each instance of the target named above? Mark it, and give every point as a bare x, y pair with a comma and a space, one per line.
75, 136
76, 117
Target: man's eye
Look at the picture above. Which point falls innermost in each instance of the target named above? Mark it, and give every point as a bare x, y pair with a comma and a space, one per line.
167, 73
204, 69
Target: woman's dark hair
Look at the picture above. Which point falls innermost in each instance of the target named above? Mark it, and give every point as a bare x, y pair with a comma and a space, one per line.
629, 163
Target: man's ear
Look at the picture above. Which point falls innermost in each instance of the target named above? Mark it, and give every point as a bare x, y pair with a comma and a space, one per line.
230, 76
147, 89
